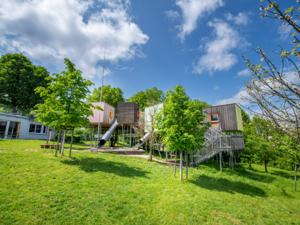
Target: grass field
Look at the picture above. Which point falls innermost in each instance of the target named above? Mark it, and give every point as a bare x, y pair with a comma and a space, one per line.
89, 188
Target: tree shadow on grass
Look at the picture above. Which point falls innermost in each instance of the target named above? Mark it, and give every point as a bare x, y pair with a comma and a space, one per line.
255, 175
225, 185
283, 174
90, 165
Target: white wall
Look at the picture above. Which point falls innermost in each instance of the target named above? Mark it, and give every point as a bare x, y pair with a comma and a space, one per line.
24, 127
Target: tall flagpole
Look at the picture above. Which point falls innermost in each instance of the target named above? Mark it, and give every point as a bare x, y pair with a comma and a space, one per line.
99, 125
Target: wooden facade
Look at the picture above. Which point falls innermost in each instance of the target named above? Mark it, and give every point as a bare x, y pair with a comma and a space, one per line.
106, 116
224, 117
128, 112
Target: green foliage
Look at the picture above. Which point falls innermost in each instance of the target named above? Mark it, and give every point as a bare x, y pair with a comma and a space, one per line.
147, 97
245, 117
110, 95
180, 122
200, 105
63, 99
18, 80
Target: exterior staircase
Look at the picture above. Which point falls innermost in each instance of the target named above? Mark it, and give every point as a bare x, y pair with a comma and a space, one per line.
215, 142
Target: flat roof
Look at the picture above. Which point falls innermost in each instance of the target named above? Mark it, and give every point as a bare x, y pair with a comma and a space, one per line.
221, 106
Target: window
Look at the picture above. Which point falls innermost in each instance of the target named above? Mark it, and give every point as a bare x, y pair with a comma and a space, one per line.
37, 128
32, 128
214, 117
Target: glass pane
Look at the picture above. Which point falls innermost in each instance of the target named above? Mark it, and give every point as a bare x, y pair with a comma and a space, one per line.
32, 128
2, 129
38, 129
44, 129
13, 130
214, 117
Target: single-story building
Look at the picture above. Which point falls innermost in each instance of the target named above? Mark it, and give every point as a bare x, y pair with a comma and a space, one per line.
14, 126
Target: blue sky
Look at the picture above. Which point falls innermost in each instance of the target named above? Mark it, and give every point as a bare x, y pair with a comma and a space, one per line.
195, 43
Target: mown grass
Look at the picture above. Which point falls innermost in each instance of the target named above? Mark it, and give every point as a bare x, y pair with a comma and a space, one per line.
89, 188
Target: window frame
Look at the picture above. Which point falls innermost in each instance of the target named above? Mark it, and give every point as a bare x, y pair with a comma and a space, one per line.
43, 128
214, 121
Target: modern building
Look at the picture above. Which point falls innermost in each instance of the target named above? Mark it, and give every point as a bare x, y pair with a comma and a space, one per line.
18, 126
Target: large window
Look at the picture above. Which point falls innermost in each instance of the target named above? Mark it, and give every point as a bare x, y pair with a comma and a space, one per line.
37, 129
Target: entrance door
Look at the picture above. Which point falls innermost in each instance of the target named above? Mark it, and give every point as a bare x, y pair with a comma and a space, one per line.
13, 130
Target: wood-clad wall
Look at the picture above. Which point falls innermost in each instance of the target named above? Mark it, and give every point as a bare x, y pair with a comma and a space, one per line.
127, 112
227, 116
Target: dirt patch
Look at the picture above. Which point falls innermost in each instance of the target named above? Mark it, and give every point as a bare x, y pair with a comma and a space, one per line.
226, 215
295, 215
234, 220
31, 150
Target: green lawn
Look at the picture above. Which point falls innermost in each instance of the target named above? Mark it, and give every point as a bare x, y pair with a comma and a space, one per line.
89, 188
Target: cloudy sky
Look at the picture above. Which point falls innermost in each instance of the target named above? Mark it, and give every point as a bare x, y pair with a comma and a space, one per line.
195, 43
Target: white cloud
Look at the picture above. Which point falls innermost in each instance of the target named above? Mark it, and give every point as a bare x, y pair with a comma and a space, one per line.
171, 14
240, 19
244, 73
192, 10
218, 56
285, 32
234, 99
216, 87
49, 31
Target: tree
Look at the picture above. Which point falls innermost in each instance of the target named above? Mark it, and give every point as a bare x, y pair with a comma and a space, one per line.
274, 91
147, 97
63, 100
110, 95
200, 104
180, 123
18, 80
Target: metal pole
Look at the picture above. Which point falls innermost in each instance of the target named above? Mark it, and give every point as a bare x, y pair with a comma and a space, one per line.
99, 125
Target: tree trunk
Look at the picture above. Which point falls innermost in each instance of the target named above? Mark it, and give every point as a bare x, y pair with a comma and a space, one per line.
150, 153
266, 163
71, 142
57, 141
175, 164
181, 165
186, 165
63, 142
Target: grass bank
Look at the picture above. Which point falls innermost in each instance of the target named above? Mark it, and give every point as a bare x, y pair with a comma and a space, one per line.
94, 188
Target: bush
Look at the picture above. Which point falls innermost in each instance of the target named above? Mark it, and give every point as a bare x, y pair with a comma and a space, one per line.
76, 138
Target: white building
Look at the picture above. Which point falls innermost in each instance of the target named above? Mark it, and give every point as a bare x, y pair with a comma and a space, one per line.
14, 126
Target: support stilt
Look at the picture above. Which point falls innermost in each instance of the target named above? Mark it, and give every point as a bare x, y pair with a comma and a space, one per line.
220, 161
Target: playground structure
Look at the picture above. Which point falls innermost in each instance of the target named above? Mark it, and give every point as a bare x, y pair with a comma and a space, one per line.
111, 123
225, 118
223, 136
